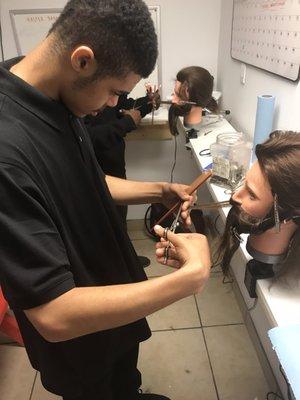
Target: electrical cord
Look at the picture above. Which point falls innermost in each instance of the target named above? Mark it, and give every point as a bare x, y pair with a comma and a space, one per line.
215, 224
290, 397
146, 219
216, 265
175, 159
253, 305
1, 43
225, 282
205, 153
276, 396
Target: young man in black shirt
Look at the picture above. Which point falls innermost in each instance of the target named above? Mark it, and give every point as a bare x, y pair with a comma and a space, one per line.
68, 269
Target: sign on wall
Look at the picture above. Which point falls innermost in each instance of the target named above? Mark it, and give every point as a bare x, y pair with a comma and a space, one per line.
266, 34
31, 27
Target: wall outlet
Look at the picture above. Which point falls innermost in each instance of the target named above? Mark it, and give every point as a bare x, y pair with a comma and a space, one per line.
243, 73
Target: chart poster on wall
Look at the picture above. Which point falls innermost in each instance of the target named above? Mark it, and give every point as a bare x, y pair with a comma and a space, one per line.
30, 26
266, 34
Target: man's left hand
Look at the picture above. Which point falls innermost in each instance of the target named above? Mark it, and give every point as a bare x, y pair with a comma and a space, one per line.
134, 114
174, 192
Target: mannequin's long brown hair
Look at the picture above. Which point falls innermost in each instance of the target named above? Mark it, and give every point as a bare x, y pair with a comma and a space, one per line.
196, 86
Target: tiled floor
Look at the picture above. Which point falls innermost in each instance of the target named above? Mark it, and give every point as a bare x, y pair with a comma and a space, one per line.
199, 350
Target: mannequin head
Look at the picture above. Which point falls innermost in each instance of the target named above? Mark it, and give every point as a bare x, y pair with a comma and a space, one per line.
271, 188
193, 84
255, 196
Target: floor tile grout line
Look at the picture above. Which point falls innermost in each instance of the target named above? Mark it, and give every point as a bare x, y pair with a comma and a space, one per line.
32, 389
208, 356
175, 329
196, 327
207, 352
220, 325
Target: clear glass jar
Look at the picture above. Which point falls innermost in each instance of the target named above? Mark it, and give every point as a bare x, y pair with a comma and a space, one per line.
231, 156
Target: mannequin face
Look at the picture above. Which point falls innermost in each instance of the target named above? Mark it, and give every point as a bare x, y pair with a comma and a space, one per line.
250, 205
177, 95
255, 196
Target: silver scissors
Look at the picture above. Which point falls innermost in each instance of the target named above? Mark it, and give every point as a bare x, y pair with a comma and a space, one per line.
172, 229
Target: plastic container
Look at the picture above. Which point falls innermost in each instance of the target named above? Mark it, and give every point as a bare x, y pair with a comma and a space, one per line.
231, 156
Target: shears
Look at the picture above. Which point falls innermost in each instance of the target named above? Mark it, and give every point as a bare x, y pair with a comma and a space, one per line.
178, 206
172, 228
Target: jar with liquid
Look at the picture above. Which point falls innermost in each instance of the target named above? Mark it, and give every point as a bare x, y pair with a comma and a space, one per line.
231, 156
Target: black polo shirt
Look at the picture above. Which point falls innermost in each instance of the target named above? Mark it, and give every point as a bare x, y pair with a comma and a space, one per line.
59, 229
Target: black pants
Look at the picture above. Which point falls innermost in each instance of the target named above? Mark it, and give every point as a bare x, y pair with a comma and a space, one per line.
121, 382
122, 210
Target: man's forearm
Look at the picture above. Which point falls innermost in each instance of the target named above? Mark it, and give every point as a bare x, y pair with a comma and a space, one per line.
132, 192
87, 310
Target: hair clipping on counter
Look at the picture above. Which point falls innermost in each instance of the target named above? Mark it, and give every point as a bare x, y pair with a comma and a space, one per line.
205, 153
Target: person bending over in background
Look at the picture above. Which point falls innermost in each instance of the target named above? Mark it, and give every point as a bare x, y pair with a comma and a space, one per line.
107, 132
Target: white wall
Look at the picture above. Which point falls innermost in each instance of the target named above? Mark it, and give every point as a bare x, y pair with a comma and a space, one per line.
189, 33
242, 99
189, 36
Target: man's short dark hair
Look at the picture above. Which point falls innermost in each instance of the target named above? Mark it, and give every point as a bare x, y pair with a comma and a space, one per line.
120, 32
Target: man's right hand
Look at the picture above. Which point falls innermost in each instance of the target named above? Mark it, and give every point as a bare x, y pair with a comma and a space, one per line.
153, 95
134, 114
189, 251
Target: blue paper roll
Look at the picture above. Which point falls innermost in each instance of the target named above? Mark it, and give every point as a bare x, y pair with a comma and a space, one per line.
264, 120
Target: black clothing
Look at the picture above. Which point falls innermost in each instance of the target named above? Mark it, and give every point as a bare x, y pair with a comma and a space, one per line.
59, 229
121, 382
107, 132
144, 261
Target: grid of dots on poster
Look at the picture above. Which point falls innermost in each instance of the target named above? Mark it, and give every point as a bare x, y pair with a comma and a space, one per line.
266, 34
